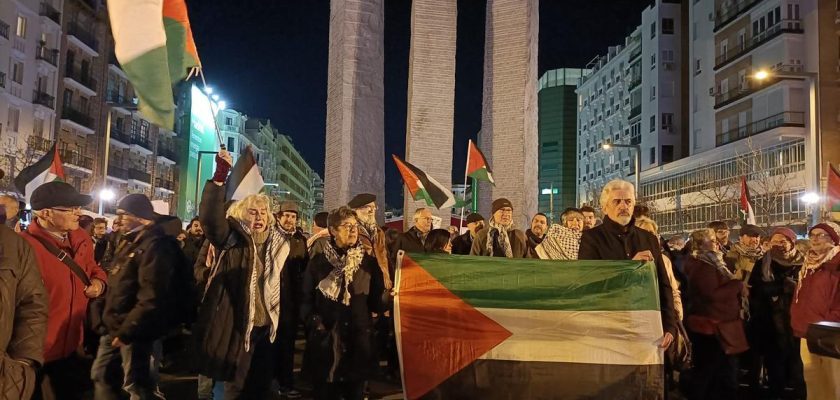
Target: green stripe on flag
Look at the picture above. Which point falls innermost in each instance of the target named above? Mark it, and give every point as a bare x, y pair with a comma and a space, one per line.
480, 174
150, 72
528, 284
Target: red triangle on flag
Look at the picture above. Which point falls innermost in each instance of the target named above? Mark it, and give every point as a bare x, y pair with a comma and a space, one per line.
440, 334
56, 168
833, 188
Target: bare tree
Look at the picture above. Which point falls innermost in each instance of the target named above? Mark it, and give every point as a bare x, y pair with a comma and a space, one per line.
769, 179
15, 160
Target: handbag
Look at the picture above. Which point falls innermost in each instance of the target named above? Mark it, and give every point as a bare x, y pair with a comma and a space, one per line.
680, 353
731, 336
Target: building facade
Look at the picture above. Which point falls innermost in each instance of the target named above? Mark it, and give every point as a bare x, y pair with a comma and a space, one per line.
558, 148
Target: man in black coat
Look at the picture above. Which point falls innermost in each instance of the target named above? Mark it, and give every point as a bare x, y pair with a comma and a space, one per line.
194, 240
618, 238
142, 301
414, 239
463, 243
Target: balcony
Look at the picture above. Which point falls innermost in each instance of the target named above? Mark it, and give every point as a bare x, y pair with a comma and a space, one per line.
44, 99
138, 175
120, 135
47, 54
82, 36
726, 15
37, 143
114, 97
117, 172
78, 117
787, 118
635, 111
75, 158
634, 83
785, 26
637, 51
82, 80
47, 10
141, 141
164, 184
167, 152
4, 30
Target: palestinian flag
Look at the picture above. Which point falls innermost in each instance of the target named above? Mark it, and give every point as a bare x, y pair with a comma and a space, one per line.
47, 169
477, 167
154, 45
422, 186
745, 204
832, 190
245, 178
496, 328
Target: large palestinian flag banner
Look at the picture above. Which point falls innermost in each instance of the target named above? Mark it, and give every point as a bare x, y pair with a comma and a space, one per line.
496, 328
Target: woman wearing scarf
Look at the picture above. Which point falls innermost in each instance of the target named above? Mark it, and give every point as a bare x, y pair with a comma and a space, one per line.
713, 319
562, 242
817, 298
341, 288
246, 290
772, 284
500, 238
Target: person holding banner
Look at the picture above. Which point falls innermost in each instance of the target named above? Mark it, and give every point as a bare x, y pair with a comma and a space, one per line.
500, 238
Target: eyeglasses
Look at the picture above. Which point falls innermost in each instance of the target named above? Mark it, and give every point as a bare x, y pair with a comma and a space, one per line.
349, 227
818, 236
424, 219
617, 202
68, 210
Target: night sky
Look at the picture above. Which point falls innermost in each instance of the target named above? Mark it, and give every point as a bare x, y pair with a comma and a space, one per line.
268, 58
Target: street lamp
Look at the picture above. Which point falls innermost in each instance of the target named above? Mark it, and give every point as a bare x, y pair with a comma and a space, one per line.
638, 164
814, 135
105, 194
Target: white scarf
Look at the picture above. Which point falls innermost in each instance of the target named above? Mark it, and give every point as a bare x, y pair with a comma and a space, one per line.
276, 251
504, 239
811, 264
344, 267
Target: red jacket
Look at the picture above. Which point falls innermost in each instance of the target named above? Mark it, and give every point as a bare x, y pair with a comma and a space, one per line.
818, 298
713, 297
67, 300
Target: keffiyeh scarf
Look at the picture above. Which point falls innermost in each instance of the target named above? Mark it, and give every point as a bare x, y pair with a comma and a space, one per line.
813, 261
504, 239
341, 276
276, 251
560, 243
753, 254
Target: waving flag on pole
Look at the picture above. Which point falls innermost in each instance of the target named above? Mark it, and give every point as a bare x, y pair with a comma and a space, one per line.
489, 328
422, 186
245, 178
833, 189
154, 45
477, 167
47, 169
747, 214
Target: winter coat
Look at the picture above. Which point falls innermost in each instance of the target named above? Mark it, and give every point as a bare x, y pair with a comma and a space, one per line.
533, 242
142, 288
611, 241
67, 300
518, 244
222, 320
462, 244
296, 263
23, 316
192, 247
818, 297
331, 324
710, 294
770, 301
410, 241
741, 265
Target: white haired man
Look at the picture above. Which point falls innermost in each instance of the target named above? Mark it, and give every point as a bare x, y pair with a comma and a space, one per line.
618, 238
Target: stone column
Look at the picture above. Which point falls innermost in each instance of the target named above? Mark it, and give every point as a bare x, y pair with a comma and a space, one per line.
431, 97
509, 110
355, 148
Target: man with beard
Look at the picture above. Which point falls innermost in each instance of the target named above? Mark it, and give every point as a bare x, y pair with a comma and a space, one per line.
501, 238
536, 234
589, 220
194, 240
371, 235
772, 284
742, 256
618, 238
721, 230
463, 243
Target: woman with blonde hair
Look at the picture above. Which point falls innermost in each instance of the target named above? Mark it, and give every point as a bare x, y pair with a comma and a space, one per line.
651, 226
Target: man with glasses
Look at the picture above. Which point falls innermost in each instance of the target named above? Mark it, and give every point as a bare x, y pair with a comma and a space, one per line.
371, 235
59, 242
500, 238
618, 238
414, 239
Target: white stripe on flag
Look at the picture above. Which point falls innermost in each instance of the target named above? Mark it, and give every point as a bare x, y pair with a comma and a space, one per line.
589, 337
137, 26
252, 183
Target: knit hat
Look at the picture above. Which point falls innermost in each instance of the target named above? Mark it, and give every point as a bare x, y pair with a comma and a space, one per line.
831, 228
501, 203
474, 217
788, 233
138, 205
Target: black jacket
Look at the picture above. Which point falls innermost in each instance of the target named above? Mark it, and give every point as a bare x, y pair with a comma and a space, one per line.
192, 247
143, 285
611, 241
770, 301
462, 244
533, 242
410, 241
331, 324
296, 262
223, 315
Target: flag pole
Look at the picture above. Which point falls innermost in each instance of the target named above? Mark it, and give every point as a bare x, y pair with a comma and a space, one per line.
212, 111
464, 205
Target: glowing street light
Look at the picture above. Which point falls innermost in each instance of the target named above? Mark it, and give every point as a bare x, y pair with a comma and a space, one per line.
222, 105
810, 198
107, 194
638, 163
761, 75
208, 90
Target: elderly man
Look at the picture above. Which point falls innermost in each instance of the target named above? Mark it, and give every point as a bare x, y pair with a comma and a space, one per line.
12, 209
414, 239
463, 243
536, 233
64, 253
371, 235
618, 238
500, 238
742, 256
589, 220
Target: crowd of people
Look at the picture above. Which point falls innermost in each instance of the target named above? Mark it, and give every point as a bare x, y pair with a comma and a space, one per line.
243, 280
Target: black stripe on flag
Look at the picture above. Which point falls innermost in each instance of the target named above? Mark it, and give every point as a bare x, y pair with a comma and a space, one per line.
31, 172
439, 194
243, 166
